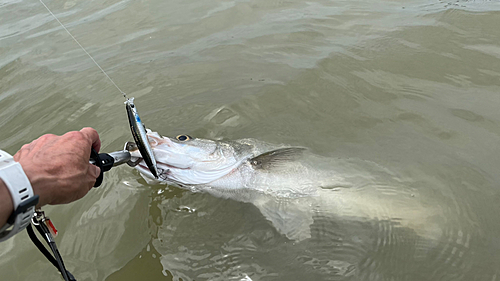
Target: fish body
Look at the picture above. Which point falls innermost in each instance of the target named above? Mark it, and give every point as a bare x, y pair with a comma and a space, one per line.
289, 185
217, 166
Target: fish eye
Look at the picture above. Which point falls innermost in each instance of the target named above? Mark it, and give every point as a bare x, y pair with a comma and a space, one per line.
183, 138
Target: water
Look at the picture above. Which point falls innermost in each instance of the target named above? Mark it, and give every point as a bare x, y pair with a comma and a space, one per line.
409, 85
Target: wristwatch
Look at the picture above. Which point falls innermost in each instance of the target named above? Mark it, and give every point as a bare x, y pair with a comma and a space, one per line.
23, 198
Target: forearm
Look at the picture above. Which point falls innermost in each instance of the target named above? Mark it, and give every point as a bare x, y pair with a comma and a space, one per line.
6, 205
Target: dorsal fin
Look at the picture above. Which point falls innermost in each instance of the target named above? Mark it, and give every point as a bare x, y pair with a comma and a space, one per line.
274, 158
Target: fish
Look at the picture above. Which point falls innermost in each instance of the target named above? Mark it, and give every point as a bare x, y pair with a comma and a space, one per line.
289, 184
224, 166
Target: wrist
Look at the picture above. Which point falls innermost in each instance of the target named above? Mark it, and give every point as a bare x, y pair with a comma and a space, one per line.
6, 205
38, 183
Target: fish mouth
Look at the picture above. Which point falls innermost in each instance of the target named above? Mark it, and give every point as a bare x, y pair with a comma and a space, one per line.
140, 165
164, 169
177, 163
143, 169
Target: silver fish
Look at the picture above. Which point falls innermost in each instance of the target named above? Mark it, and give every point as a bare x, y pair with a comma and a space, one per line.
232, 165
289, 185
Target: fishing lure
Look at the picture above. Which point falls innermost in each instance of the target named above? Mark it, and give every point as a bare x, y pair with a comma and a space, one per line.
141, 140
105, 161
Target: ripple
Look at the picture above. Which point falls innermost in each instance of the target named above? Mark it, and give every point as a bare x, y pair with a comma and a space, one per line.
98, 14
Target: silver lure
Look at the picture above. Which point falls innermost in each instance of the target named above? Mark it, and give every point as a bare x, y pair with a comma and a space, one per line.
140, 137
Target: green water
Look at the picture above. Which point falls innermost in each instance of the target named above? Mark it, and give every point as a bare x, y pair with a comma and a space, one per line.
410, 85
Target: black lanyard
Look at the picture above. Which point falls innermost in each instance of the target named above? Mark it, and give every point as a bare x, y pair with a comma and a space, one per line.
56, 258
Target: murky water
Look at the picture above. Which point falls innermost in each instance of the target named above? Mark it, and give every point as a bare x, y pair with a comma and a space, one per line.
411, 87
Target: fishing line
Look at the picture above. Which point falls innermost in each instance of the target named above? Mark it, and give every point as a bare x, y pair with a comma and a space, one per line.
122, 92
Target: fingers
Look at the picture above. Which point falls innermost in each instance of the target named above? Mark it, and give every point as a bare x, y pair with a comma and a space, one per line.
94, 173
93, 136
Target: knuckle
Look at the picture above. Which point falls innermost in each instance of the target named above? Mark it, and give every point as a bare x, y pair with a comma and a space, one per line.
89, 130
74, 135
47, 137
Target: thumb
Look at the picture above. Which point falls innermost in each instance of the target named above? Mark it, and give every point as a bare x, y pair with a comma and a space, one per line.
94, 171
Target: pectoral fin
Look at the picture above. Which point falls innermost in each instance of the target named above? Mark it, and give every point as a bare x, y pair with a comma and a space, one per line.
275, 158
291, 217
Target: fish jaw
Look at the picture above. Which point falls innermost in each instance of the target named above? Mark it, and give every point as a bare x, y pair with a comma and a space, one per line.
186, 164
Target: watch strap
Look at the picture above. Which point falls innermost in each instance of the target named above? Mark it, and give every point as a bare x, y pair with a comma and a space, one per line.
23, 198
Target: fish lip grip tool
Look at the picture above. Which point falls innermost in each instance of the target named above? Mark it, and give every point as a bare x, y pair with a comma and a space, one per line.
105, 161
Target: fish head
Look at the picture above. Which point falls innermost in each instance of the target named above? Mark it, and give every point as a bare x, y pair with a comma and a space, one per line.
189, 161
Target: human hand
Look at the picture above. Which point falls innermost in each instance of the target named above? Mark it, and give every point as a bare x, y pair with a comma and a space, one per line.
58, 166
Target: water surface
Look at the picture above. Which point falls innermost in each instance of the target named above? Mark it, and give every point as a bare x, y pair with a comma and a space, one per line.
409, 86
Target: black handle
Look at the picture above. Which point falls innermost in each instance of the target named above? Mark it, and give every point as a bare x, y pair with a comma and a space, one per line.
104, 161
